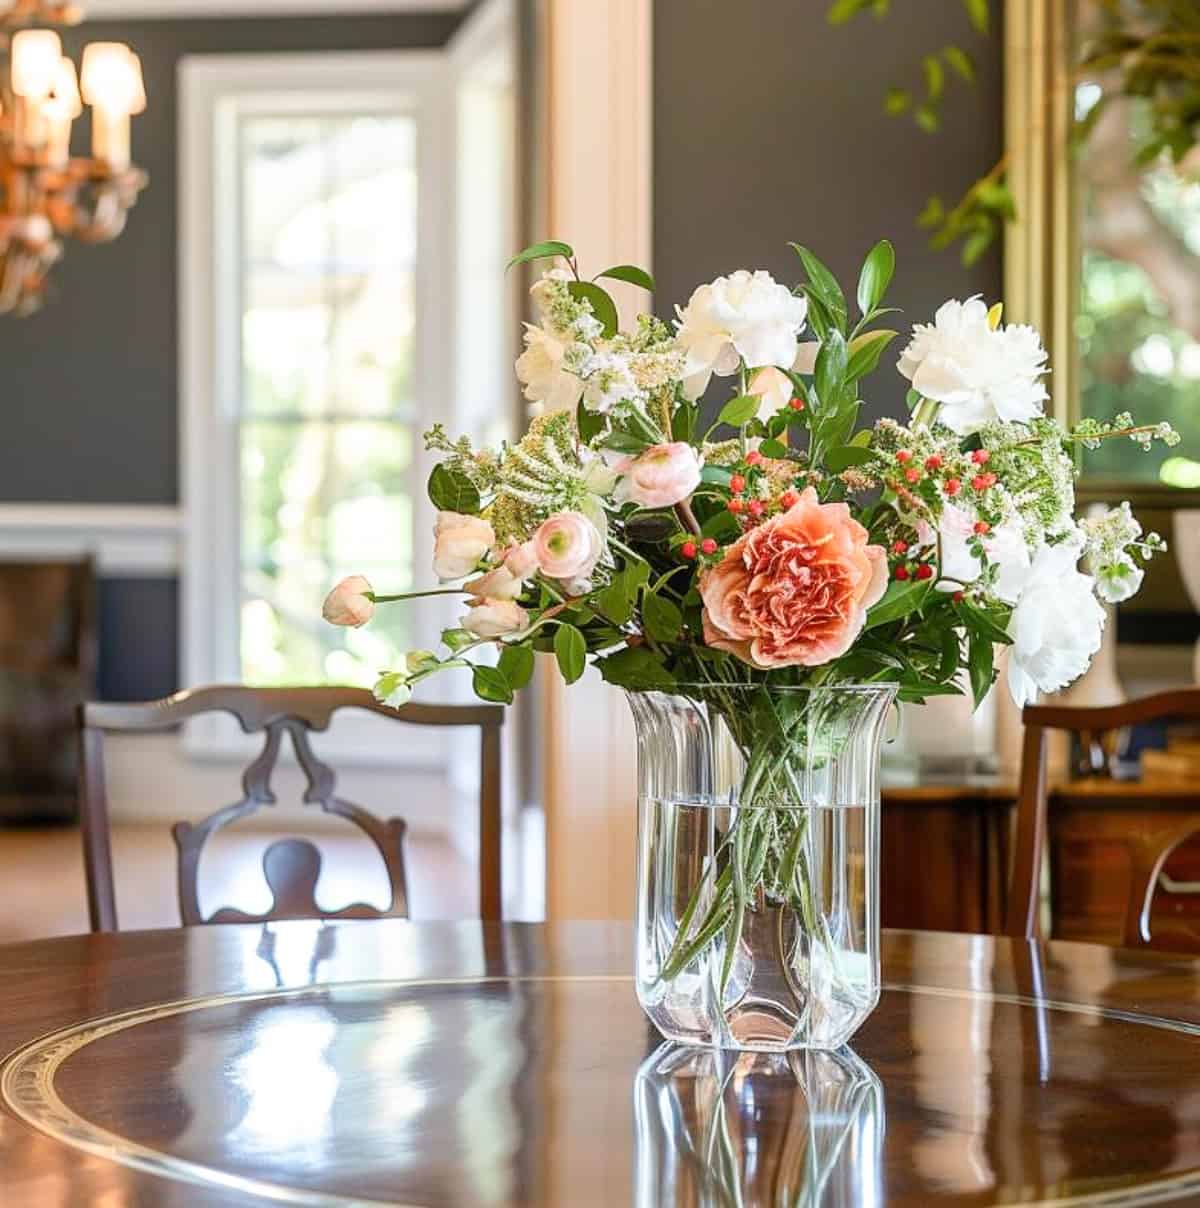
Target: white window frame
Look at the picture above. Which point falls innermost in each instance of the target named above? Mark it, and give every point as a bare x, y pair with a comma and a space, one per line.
214, 92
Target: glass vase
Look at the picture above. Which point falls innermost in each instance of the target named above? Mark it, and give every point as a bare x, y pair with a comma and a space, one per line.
758, 863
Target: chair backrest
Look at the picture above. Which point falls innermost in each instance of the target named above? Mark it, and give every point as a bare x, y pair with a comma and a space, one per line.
291, 866
1149, 847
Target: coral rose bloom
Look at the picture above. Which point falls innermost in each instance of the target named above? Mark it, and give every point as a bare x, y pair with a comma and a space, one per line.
794, 591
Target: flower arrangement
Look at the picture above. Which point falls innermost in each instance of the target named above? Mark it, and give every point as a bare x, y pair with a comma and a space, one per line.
766, 564
783, 543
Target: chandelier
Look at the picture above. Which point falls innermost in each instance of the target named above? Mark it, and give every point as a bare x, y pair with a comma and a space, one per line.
46, 194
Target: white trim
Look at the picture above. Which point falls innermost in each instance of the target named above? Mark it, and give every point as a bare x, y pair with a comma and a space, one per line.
132, 10
126, 540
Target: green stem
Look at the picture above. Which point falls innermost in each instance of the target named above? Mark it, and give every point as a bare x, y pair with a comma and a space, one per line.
414, 595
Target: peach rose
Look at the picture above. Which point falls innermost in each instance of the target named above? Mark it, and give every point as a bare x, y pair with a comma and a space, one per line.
459, 543
794, 591
494, 618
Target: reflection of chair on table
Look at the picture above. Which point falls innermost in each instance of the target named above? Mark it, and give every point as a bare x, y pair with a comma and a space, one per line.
292, 866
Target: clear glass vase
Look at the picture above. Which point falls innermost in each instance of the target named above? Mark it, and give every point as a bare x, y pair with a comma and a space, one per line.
715, 1128
758, 863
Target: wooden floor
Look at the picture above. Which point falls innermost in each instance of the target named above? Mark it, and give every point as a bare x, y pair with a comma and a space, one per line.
42, 886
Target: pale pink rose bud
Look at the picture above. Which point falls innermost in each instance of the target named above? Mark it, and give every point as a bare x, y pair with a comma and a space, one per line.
521, 560
498, 584
661, 477
349, 603
568, 546
495, 618
775, 389
459, 543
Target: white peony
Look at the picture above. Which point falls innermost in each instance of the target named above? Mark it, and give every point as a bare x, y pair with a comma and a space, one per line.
1004, 546
977, 374
746, 317
1056, 626
775, 389
541, 370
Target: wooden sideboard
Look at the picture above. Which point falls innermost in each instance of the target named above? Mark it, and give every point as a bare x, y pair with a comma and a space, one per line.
946, 851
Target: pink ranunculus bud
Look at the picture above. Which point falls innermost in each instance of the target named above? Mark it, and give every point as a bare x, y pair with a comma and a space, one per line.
795, 591
568, 546
521, 560
495, 618
349, 603
661, 477
459, 542
498, 584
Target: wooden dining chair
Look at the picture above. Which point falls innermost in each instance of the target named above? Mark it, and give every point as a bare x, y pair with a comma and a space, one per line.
1152, 825
291, 866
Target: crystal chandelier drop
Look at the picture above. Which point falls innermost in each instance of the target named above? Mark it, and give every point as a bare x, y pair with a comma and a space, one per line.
46, 195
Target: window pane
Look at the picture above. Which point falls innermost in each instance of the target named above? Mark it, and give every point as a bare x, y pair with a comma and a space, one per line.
329, 248
321, 500
1139, 316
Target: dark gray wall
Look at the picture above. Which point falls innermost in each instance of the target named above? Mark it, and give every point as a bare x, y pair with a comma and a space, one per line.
769, 127
90, 400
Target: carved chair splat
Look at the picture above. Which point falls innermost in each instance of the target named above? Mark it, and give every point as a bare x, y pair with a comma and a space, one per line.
292, 867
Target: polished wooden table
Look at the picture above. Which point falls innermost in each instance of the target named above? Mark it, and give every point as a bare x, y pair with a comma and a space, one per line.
456, 1064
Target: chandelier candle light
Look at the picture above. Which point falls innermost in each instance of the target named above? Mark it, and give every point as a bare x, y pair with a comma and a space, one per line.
763, 587
46, 195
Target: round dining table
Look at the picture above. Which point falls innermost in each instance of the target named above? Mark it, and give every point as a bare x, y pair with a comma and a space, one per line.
472, 1064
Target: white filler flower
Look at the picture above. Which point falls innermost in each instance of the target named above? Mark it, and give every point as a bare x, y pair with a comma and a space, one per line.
1056, 626
541, 370
746, 317
977, 374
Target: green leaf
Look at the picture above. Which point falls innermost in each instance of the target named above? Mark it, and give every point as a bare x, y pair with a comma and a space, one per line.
720, 475
614, 601
978, 12
490, 685
927, 118
570, 649
843, 10
898, 601
662, 618
456, 639
630, 273
773, 448
865, 351
541, 251
960, 62
452, 491
876, 276
624, 442
897, 101
603, 307
980, 667
636, 668
984, 624
837, 460
830, 371
740, 410
933, 214
976, 245
589, 424
824, 283
951, 650
516, 665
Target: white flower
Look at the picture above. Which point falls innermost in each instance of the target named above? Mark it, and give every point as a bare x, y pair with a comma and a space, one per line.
1117, 581
609, 380
1004, 546
541, 370
1056, 626
977, 374
743, 317
775, 389
495, 618
459, 543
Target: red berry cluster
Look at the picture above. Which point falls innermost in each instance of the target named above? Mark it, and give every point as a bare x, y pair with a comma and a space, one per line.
905, 567
707, 547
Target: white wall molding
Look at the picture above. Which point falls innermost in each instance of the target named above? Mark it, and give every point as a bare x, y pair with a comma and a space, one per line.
127, 540
133, 10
